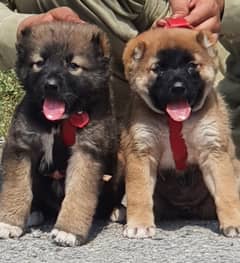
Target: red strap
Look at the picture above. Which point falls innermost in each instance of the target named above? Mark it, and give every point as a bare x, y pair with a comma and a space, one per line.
79, 120
173, 23
70, 125
178, 146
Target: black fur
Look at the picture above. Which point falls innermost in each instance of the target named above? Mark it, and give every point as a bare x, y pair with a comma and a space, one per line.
175, 65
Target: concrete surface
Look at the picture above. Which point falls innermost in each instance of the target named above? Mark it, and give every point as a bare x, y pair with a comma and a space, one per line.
179, 241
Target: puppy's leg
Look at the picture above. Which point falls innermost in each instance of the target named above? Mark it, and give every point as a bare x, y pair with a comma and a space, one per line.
119, 212
78, 207
15, 194
236, 165
140, 184
218, 171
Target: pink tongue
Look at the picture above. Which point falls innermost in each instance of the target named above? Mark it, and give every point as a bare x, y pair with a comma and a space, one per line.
53, 110
179, 111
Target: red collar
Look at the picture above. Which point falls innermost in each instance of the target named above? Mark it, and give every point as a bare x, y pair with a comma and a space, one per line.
178, 146
70, 125
173, 23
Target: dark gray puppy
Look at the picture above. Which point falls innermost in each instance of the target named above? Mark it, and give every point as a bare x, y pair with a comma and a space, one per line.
62, 138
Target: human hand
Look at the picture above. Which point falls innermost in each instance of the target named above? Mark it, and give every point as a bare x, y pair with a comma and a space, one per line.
205, 14
179, 8
56, 14
201, 14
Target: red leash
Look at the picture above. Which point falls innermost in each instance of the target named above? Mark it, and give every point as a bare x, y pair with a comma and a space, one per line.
178, 146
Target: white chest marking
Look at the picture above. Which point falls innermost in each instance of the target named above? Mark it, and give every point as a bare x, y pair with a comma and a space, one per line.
48, 141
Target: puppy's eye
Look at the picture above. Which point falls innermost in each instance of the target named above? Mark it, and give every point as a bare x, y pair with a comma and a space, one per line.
37, 65
157, 69
191, 68
73, 66
154, 67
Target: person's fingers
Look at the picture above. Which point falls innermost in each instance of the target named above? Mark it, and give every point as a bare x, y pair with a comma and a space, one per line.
56, 14
202, 12
179, 8
65, 14
192, 3
212, 24
217, 3
197, 16
34, 20
160, 23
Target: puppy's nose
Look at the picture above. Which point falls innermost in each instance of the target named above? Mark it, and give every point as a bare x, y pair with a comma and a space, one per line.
178, 88
51, 84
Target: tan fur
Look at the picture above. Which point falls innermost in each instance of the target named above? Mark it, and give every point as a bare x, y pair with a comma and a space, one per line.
145, 139
83, 180
15, 205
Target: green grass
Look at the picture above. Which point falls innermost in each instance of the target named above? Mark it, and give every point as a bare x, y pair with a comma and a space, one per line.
10, 94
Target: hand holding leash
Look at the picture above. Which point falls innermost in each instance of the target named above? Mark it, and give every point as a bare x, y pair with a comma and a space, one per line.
201, 14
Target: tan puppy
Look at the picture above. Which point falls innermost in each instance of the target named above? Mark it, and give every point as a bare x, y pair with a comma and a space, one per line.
171, 73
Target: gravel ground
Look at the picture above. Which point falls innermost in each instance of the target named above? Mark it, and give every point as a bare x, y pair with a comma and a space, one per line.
175, 241
180, 241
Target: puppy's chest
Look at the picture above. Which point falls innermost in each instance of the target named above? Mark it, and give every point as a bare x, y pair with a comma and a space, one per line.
176, 150
195, 139
158, 139
55, 154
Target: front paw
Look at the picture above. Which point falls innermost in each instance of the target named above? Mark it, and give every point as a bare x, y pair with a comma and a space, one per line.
139, 231
65, 239
231, 231
9, 231
230, 223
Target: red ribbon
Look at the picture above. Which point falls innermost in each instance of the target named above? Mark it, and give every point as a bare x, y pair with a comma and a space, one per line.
70, 125
179, 22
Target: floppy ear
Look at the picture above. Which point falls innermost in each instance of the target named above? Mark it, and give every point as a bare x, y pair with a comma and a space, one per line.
138, 51
208, 40
101, 44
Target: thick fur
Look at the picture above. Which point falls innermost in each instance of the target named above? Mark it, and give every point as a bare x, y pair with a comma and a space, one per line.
154, 62
74, 59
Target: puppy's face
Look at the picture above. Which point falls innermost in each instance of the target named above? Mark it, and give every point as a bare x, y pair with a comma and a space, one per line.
62, 66
171, 69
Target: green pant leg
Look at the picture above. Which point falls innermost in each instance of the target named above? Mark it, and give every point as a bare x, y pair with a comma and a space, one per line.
230, 85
